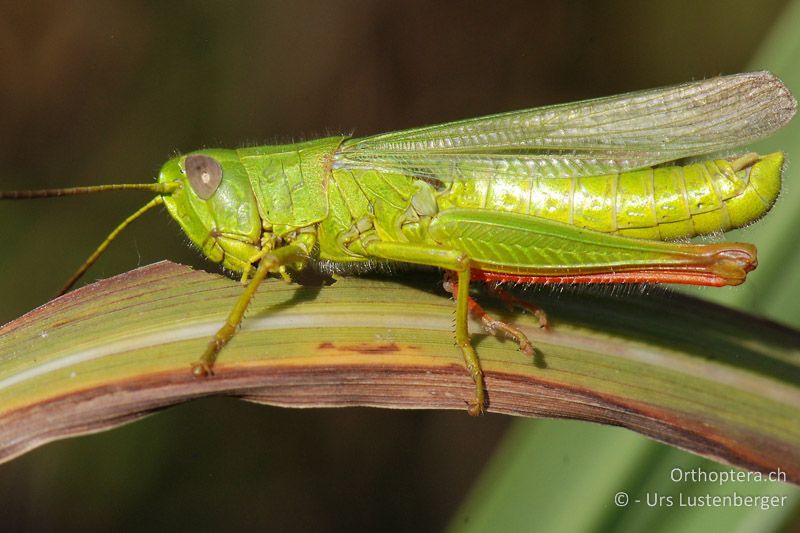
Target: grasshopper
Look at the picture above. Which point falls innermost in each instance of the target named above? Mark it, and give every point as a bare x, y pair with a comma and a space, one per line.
589, 192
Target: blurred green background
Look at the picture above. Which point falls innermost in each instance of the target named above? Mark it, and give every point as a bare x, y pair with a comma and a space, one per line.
103, 92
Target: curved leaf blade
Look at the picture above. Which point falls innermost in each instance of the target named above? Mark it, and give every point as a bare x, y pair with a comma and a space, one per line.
706, 379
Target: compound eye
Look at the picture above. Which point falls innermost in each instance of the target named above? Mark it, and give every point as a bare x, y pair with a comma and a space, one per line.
205, 174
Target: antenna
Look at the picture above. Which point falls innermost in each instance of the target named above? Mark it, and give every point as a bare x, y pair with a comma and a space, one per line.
158, 188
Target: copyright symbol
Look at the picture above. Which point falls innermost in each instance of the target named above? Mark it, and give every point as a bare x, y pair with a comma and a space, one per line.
621, 499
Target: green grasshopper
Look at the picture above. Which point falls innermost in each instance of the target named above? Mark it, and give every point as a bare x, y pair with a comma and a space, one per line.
587, 192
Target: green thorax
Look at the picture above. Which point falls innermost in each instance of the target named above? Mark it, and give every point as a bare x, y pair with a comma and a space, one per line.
369, 204
290, 182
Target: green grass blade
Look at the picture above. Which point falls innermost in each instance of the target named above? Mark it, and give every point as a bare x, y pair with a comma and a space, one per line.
551, 475
120, 348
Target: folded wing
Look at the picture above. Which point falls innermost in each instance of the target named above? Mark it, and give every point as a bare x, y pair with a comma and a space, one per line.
601, 136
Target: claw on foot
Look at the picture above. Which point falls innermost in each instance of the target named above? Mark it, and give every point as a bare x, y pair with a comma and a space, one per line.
475, 408
205, 366
511, 302
492, 326
202, 369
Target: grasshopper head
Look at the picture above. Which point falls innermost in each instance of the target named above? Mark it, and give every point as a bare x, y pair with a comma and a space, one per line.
215, 205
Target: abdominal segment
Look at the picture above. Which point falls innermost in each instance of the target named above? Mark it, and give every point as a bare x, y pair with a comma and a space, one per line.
664, 203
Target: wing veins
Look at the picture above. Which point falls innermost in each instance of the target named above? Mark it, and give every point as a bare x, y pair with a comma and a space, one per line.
606, 135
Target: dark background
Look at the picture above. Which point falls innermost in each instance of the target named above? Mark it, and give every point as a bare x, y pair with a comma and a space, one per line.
105, 92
